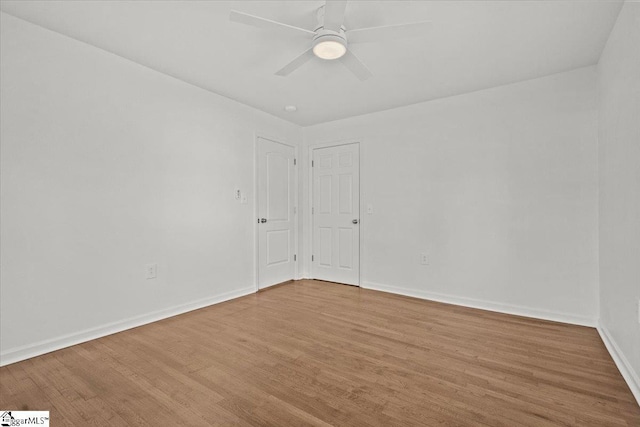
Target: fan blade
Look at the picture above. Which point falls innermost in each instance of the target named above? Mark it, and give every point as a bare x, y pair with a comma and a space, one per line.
296, 63
389, 32
334, 14
256, 21
355, 65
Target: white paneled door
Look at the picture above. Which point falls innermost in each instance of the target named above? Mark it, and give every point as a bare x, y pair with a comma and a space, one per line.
276, 213
336, 214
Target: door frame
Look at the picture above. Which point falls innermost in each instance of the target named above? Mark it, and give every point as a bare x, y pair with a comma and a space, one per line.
256, 230
309, 216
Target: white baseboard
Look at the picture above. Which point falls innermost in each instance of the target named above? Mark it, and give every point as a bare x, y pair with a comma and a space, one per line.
486, 305
36, 349
628, 373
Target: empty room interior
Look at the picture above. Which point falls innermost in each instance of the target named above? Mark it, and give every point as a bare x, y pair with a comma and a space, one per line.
345, 213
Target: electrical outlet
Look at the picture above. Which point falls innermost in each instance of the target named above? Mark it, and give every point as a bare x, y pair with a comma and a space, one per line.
151, 271
237, 194
423, 259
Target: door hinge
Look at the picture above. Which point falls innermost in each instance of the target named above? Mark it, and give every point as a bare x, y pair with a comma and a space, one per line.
312, 258
311, 163
294, 162
312, 210
295, 257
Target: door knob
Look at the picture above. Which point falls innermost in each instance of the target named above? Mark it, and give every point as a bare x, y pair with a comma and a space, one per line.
355, 221
263, 220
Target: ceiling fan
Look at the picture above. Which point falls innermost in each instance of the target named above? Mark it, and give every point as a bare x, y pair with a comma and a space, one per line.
330, 40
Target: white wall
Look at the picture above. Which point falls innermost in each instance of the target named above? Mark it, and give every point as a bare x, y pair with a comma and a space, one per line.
499, 187
106, 166
619, 155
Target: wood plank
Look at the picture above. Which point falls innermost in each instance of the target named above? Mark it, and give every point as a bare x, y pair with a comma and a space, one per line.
316, 353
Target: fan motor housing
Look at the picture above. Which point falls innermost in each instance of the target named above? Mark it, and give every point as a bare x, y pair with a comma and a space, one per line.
328, 35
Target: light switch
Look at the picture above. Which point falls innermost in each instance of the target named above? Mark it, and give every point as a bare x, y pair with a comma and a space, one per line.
369, 209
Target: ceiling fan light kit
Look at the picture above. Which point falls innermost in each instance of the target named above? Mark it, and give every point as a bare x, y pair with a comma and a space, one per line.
329, 46
330, 40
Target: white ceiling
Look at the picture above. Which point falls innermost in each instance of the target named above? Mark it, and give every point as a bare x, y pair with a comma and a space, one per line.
473, 45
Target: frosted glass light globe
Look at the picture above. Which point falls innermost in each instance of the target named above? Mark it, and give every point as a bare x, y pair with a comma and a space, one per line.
329, 49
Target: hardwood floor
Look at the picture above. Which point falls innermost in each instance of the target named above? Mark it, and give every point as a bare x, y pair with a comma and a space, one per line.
316, 353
